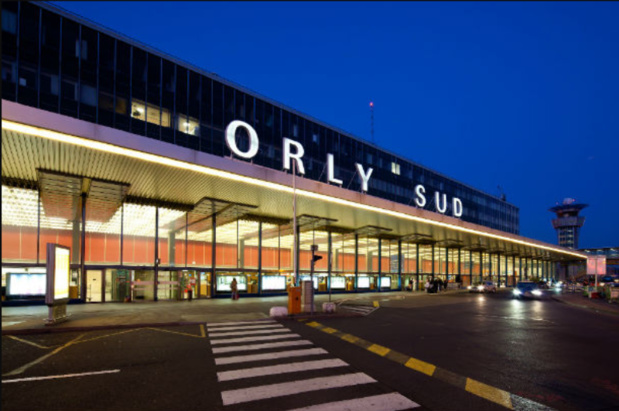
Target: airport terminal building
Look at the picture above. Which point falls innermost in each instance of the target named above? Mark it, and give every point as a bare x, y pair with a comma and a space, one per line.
162, 177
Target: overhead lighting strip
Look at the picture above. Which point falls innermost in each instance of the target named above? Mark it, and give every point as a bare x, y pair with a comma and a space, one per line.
166, 161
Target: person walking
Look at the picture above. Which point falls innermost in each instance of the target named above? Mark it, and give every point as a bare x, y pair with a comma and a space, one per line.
234, 289
427, 286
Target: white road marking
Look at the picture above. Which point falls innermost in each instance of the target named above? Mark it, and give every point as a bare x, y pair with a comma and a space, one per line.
295, 387
383, 402
240, 323
279, 369
51, 377
253, 347
10, 323
244, 327
248, 339
269, 356
230, 334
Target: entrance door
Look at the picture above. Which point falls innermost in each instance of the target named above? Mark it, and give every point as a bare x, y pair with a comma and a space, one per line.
94, 286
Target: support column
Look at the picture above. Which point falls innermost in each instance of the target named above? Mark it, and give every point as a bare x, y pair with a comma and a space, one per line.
356, 261
259, 257
213, 251
156, 276
400, 261
83, 250
172, 248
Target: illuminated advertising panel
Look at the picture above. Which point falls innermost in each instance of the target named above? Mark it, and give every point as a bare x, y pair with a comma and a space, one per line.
274, 282
26, 284
363, 282
58, 274
385, 282
338, 283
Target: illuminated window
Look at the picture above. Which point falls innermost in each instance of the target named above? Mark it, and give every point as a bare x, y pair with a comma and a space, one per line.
151, 113
395, 168
188, 125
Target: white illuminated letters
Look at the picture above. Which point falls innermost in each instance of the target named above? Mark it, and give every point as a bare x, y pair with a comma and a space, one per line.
363, 176
437, 202
231, 139
331, 171
296, 156
293, 150
457, 207
420, 199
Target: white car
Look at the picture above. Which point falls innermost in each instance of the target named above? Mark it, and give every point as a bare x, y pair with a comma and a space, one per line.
483, 287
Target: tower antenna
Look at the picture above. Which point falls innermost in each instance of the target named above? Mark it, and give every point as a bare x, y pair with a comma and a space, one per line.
372, 120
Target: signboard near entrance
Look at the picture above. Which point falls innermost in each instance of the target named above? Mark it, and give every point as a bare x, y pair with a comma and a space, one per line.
58, 279
596, 265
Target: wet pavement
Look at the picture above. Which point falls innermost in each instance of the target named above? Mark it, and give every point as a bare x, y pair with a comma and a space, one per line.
31, 319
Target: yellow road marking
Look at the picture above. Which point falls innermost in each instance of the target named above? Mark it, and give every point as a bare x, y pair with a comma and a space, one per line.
474, 387
31, 343
202, 332
350, 338
43, 358
376, 304
420, 366
105, 336
490, 393
175, 332
379, 349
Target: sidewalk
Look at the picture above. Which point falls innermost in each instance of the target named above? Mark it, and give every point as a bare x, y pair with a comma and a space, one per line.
576, 299
31, 319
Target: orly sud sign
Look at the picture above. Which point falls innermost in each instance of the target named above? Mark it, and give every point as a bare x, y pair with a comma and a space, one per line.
294, 151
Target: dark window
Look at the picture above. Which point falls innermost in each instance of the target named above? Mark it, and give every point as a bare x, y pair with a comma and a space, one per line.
228, 105
50, 61
138, 91
167, 100
107, 74
88, 52
9, 50
123, 85
218, 112
153, 106
28, 54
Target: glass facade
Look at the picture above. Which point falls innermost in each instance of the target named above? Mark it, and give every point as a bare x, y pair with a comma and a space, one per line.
55, 62
159, 252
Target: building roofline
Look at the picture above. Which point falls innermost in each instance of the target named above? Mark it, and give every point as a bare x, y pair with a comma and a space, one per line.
111, 32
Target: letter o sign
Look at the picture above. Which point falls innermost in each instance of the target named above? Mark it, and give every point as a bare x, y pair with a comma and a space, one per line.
231, 139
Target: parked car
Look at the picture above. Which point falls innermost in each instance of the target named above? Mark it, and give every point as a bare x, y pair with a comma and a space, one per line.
527, 289
483, 287
609, 280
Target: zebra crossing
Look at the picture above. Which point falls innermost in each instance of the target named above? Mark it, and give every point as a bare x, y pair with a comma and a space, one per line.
358, 309
264, 365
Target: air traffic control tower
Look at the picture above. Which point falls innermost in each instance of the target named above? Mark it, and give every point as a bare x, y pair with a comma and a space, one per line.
568, 222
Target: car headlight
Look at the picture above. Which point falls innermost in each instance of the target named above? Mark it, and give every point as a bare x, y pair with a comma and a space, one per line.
517, 292
537, 292
480, 287
470, 287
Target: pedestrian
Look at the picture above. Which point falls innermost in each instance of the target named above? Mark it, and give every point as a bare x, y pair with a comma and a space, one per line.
233, 288
189, 293
427, 286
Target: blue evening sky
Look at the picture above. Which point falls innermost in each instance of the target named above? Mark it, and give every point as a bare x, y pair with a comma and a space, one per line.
524, 95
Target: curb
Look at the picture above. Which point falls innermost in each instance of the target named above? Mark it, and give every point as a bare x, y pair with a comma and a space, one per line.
51, 330
586, 307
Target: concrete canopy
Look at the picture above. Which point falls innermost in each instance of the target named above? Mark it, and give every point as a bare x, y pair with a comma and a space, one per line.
35, 140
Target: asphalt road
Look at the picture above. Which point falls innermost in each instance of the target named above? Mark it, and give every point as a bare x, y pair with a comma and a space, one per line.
543, 354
